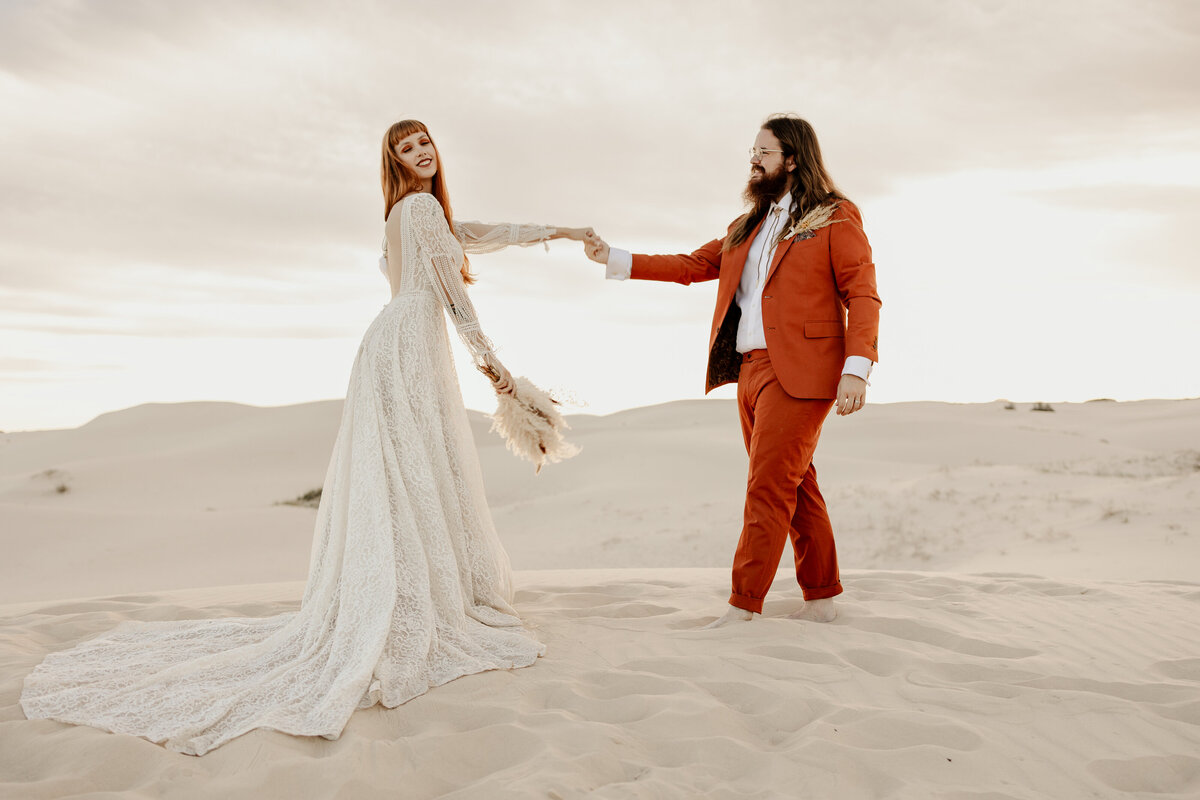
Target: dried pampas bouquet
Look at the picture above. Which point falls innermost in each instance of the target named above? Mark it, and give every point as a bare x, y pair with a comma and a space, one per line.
529, 420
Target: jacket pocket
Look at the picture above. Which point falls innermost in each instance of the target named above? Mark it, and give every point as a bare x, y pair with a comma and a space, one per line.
820, 329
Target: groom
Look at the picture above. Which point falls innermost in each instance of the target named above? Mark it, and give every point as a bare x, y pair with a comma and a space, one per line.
796, 325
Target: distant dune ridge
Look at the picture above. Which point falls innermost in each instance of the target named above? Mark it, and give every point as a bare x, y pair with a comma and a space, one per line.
164, 495
1020, 620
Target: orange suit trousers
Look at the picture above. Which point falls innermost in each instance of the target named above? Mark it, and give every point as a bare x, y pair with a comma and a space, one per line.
782, 497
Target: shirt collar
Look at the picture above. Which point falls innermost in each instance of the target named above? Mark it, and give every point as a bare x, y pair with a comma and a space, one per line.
785, 203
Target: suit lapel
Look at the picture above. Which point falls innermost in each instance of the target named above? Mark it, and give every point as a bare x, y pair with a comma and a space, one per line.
780, 252
733, 264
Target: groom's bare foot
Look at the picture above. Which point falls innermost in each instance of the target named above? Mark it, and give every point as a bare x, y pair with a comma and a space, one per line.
734, 614
817, 611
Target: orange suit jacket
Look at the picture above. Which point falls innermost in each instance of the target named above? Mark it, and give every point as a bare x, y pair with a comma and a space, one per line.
819, 303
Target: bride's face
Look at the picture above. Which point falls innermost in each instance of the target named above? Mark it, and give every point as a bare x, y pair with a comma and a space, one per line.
416, 150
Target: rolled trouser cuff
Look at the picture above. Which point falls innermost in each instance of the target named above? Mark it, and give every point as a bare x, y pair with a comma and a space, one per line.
746, 603
821, 592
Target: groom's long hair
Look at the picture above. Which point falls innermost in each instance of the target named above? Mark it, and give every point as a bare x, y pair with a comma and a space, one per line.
398, 179
811, 184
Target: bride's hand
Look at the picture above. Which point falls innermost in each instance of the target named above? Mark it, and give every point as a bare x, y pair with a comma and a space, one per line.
506, 384
578, 234
501, 378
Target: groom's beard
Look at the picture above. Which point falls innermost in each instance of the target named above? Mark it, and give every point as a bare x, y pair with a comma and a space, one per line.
765, 188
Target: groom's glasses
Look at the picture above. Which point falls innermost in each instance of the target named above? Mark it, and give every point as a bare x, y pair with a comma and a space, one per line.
759, 152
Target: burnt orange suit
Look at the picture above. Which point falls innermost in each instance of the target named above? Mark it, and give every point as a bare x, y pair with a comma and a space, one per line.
819, 305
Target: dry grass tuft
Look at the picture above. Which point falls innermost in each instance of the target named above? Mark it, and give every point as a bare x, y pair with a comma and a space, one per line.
310, 499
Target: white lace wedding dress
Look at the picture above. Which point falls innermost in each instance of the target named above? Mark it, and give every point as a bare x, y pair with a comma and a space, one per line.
408, 586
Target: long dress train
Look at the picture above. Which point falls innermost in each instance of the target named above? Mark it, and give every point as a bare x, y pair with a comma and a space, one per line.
408, 585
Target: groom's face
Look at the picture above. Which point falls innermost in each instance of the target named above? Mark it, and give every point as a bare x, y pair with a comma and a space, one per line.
772, 161
769, 169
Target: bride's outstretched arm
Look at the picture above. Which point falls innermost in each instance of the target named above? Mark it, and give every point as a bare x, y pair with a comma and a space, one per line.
429, 230
482, 237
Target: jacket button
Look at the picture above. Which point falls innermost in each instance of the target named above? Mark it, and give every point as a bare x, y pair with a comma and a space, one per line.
766, 297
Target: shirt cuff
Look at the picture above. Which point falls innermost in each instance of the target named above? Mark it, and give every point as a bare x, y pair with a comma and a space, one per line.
620, 264
859, 366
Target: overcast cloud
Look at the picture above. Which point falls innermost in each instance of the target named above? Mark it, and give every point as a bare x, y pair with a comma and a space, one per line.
211, 170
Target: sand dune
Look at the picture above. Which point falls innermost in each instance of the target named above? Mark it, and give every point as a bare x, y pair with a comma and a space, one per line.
162, 497
929, 686
1020, 620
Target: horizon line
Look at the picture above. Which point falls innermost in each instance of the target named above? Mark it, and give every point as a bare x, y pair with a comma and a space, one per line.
584, 413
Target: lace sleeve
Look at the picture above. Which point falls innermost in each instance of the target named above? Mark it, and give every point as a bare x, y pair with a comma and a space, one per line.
480, 237
443, 258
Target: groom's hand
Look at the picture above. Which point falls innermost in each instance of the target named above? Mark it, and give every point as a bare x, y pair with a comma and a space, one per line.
596, 249
851, 394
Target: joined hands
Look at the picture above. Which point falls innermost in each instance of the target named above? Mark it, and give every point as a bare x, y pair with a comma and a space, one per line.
575, 234
595, 248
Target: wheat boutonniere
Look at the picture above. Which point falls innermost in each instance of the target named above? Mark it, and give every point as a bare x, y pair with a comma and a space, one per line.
806, 226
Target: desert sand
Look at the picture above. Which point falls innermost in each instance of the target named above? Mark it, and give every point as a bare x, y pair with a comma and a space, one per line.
1020, 617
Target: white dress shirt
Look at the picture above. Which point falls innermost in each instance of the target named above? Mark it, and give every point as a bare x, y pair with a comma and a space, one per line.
750, 335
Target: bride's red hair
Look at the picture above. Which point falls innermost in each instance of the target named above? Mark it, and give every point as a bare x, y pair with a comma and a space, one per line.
398, 179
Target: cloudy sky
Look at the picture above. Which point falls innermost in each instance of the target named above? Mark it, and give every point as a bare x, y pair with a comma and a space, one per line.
190, 204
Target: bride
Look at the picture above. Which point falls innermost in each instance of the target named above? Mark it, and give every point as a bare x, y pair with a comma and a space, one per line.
408, 586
